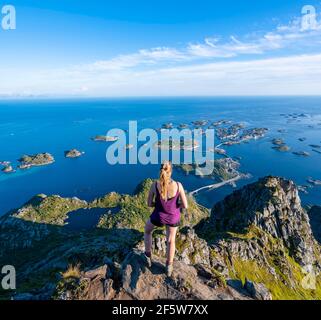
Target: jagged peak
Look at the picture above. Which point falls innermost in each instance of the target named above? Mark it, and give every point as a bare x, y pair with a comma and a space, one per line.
255, 203
273, 205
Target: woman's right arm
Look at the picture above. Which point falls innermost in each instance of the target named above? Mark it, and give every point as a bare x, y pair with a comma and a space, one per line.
182, 195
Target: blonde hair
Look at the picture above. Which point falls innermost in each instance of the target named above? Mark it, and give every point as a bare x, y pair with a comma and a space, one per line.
165, 178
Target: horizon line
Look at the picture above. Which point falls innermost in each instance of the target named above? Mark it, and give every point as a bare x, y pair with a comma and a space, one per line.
44, 97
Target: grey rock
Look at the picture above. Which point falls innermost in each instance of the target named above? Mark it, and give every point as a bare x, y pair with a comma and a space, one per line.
273, 205
186, 283
257, 291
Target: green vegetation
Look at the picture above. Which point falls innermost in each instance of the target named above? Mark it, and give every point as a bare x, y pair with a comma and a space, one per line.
286, 289
51, 210
73, 271
286, 283
71, 286
110, 200
195, 212
133, 210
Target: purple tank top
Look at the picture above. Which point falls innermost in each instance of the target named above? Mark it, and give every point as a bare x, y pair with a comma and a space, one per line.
166, 212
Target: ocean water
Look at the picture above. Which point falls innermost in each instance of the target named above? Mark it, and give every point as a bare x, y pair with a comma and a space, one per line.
28, 127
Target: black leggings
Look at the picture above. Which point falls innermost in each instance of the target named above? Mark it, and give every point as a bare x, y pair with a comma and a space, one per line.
159, 224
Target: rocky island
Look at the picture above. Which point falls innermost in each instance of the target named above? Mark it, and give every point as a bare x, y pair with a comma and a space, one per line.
314, 182
278, 142
303, 189
177, 145
282, 148
167, 126
257, 243
224, 169
219, 151
73, 153
199, 123
40, 159
5, 163
302, 153
220, 122
104, 138
236, 134
280, 145
7, 169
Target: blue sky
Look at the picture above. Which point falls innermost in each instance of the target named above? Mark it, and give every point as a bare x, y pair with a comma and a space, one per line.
160, 48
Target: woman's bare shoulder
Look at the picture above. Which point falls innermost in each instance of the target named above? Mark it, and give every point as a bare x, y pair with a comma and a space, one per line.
180, 185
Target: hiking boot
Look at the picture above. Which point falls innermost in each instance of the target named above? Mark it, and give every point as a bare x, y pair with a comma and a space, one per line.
169, 270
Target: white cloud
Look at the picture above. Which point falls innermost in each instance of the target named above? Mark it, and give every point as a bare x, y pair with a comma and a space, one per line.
285, 36
207, 68
290, 75
142, 57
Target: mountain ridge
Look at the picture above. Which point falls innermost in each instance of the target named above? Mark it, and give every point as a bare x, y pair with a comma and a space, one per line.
257, 243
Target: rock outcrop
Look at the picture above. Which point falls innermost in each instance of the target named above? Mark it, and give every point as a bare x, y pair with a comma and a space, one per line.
272, 205
258, 291
262, 233
132, 280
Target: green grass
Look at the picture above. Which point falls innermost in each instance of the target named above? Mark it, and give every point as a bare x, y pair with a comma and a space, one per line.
250, 270
49, 210
287, 285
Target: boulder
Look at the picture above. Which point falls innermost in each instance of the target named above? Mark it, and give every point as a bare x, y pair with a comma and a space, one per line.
257, 291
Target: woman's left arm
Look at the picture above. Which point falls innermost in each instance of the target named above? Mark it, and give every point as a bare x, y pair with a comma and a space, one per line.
150, 200
182, 195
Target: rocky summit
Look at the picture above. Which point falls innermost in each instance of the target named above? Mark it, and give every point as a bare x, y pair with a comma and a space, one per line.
258, 243
272, 205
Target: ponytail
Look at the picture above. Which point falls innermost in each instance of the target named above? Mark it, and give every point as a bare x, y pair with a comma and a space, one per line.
165, 178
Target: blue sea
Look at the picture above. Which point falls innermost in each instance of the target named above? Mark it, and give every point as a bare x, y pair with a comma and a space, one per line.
34, 126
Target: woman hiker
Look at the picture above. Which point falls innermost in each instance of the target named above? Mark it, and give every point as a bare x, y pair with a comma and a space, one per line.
167, 197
